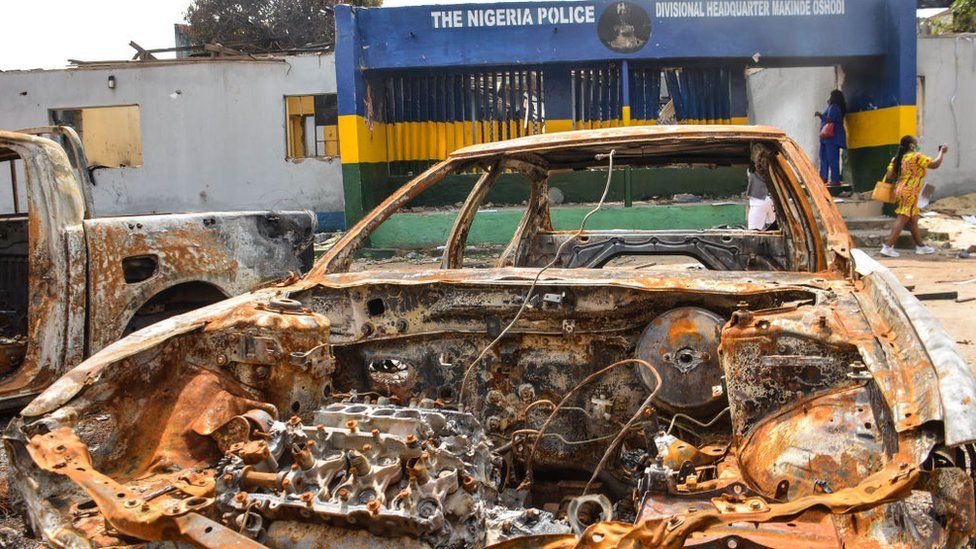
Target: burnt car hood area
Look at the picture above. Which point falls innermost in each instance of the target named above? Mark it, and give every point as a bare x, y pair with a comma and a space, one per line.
801, 397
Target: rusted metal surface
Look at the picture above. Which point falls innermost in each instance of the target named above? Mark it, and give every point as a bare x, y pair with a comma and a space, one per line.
56, 211
907, 320
613, 136
890, 484
234, 252
61, 452
79, 294
788, 405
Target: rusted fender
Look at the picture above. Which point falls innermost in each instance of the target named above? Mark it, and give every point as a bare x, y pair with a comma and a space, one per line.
90, 371
897, 308
234, 252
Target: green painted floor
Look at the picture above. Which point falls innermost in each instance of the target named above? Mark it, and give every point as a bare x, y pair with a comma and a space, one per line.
414, 230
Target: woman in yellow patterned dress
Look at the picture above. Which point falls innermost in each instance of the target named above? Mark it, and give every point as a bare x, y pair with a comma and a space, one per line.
907, 170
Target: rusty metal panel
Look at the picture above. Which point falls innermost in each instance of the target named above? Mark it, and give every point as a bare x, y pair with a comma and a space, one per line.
234, 252
56, 207
910, 322
79, 295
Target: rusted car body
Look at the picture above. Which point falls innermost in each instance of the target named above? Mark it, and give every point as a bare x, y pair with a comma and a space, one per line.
72, 283
792, 393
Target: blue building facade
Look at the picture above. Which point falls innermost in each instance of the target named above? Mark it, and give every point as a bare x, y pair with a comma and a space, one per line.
415, 83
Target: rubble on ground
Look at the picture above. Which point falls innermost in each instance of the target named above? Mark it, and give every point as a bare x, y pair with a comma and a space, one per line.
961, 234
956, 205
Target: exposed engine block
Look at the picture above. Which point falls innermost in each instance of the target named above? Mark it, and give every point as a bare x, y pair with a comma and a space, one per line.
423, 473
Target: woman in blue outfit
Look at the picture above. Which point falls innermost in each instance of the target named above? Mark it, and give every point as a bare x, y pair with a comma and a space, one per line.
833, 138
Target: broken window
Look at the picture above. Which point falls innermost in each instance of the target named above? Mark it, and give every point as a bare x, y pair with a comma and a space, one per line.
111, 135
13, 192
684, 203
418, 234
428, 116
14, 265
313, 125
597, 97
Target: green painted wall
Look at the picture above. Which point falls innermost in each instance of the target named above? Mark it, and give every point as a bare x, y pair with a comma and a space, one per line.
363, 188
428, 229
586, 186
868, 165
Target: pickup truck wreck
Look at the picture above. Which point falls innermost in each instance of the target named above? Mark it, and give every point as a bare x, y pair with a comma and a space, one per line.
71, 283
790, 392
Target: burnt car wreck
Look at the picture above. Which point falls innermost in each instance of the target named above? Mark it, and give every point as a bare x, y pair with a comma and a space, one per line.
72, 282
792, 392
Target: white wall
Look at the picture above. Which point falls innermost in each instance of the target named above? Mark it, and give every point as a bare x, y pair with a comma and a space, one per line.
213, 132
948, 64
787, 98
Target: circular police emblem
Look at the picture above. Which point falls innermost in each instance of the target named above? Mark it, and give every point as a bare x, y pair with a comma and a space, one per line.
624, 27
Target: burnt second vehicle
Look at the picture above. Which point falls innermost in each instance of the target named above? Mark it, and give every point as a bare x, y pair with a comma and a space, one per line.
788, 391
71, 282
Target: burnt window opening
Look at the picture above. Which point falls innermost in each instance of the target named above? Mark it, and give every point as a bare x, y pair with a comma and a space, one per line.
312, 126
428, 116
13, 184
111, 136
14, 258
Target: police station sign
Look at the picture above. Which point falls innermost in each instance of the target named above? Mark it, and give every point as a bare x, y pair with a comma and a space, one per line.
513, 17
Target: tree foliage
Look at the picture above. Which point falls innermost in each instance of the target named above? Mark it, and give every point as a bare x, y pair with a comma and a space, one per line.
964, 16
265, 25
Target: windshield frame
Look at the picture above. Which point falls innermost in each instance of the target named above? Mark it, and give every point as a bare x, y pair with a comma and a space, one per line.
530, 160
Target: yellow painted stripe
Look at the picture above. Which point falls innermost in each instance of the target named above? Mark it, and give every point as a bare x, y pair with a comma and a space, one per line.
553, 126
881, 126
390, 136
625, 114
361, 142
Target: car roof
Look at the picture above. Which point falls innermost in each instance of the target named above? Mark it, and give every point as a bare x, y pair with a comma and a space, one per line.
631, 135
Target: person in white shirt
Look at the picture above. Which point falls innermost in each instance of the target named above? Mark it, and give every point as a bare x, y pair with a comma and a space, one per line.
761, 212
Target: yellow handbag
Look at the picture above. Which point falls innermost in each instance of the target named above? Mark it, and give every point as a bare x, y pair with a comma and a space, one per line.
884, 192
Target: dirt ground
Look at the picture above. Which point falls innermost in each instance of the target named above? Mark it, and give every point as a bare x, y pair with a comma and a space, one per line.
943, 273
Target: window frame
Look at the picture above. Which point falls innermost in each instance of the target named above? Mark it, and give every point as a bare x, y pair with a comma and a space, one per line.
802, 233
92, 154
299, 122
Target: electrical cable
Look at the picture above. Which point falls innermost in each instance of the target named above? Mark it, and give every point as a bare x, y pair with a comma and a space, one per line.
695, 421
535, 281
535, 445
563, 439
542, 401
620, 436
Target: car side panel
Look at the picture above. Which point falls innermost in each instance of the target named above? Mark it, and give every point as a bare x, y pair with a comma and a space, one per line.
235, 252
